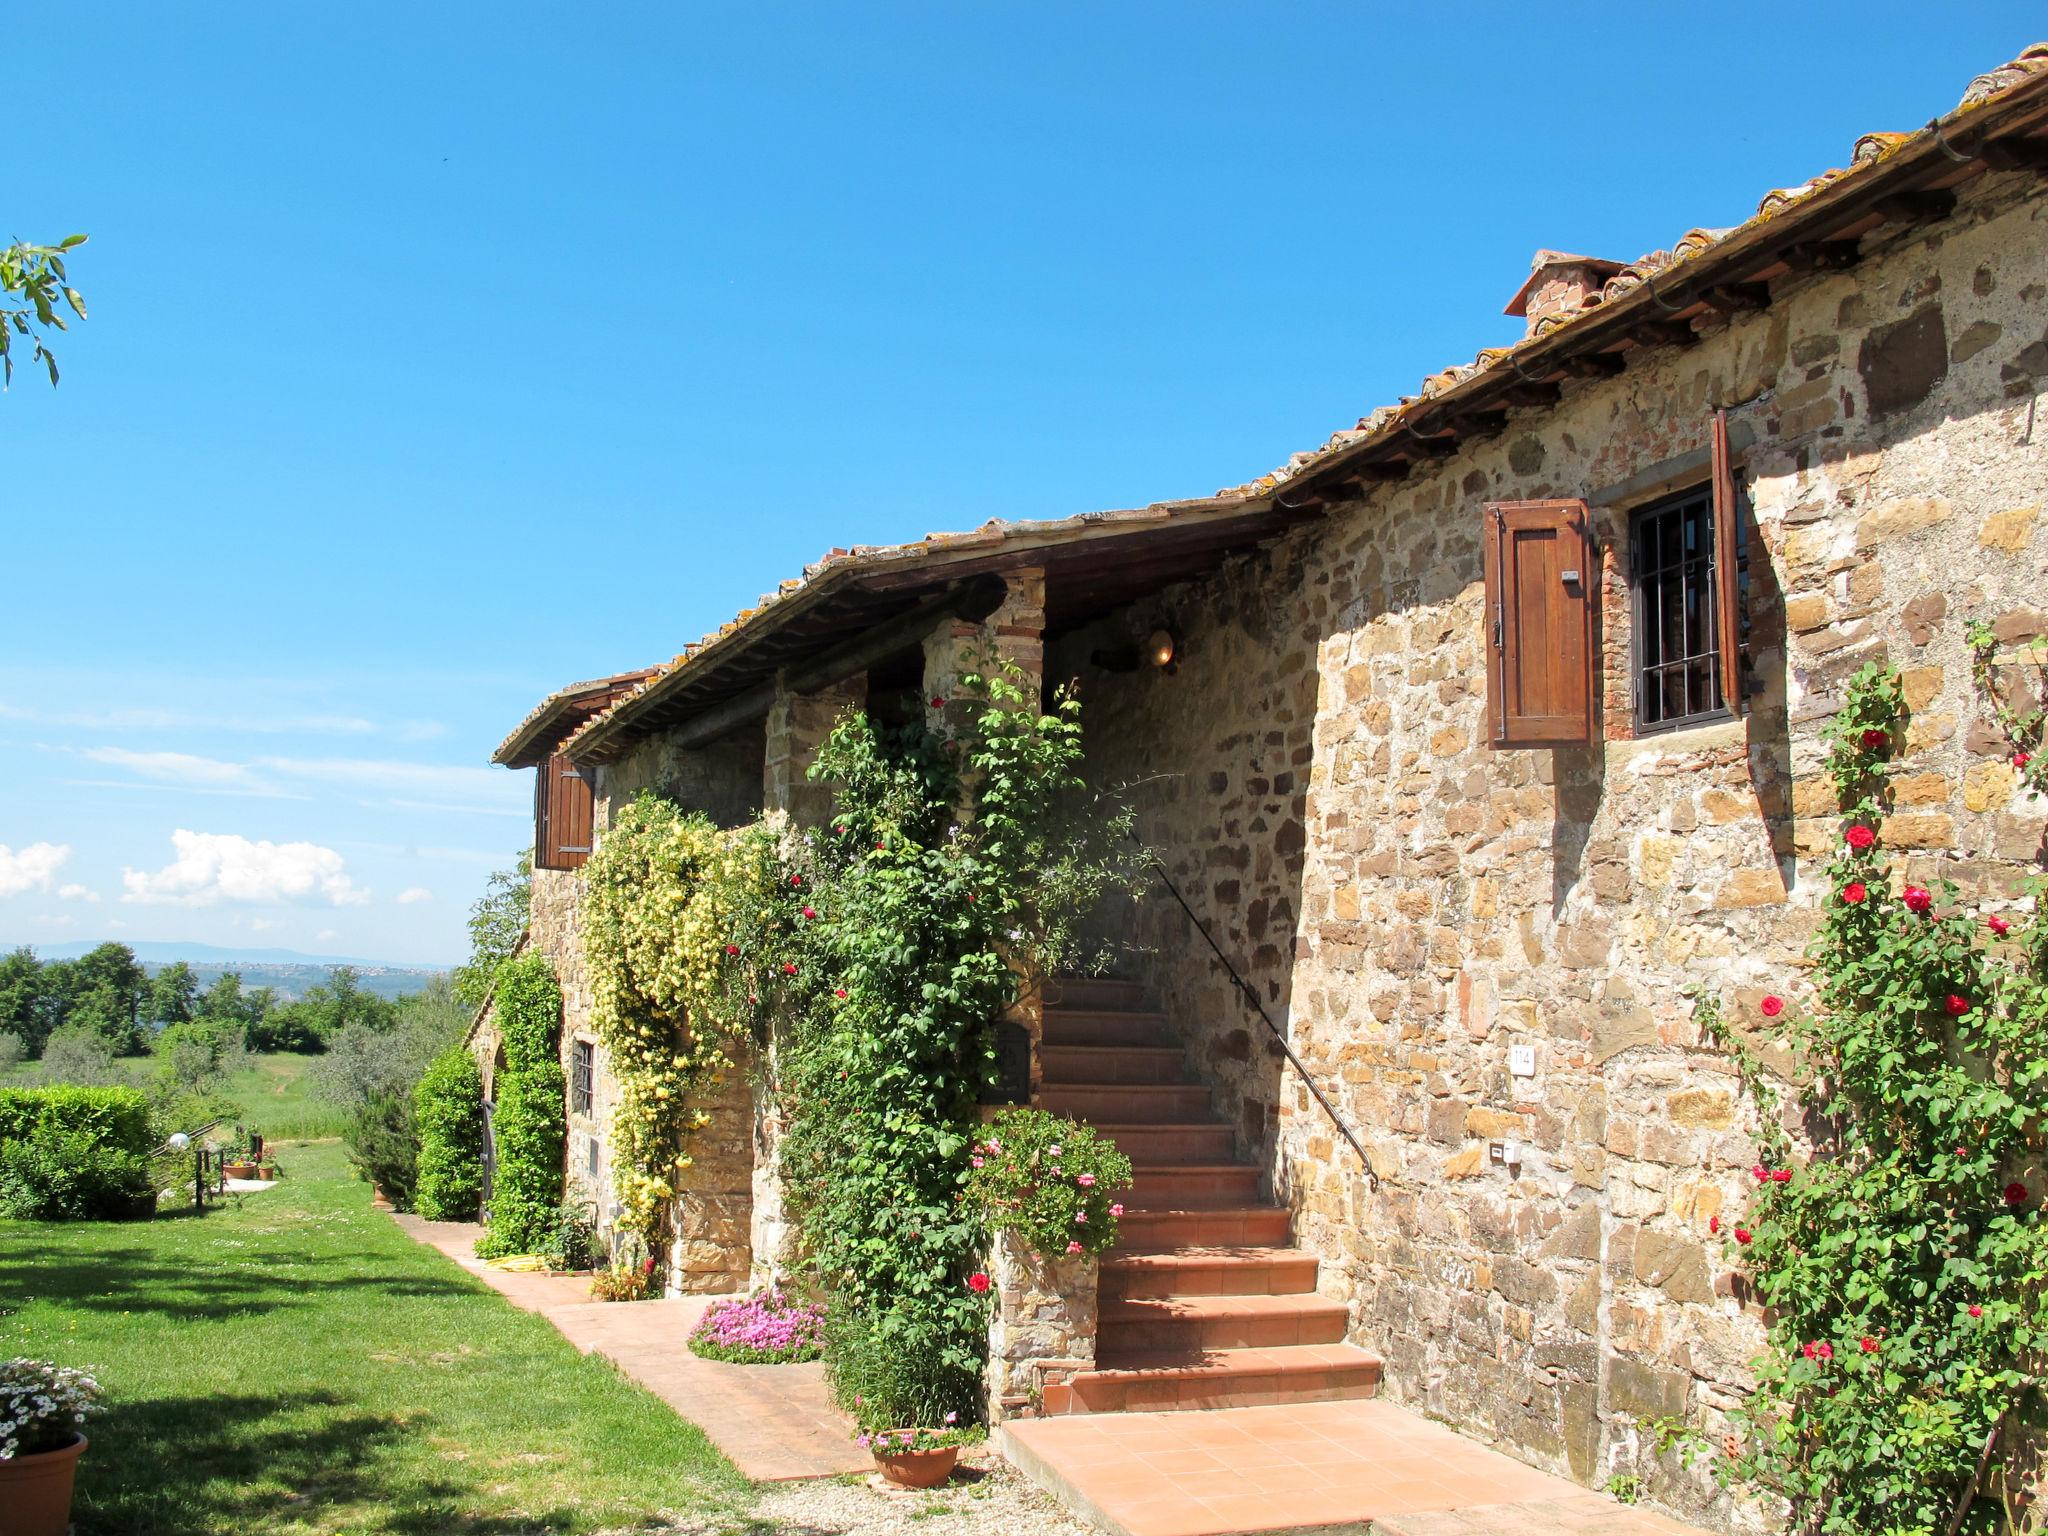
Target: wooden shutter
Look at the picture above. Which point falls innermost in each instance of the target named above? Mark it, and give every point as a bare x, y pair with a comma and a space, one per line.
1727, 575
1542, 672
563, 807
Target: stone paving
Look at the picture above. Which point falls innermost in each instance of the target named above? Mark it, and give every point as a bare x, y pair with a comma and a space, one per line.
1338, 1467
773, 1422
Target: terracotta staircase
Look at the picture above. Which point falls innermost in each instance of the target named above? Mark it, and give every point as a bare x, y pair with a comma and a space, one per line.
1204, 1301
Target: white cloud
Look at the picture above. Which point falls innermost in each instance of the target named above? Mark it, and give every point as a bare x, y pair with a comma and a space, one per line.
76, 892
324, 935
452, 787
32, 868
180, 768
213, 867
414, 893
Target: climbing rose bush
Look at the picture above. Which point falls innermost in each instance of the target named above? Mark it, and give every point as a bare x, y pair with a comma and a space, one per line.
1051, 1181
1897, 1248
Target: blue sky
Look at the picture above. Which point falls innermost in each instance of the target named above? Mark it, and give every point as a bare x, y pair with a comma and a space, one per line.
443, 354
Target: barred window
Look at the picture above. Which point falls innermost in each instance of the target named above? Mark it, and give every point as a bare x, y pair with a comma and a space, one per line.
582, 1076
1677, 632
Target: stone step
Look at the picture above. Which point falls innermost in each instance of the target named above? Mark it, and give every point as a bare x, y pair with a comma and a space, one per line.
1128, 1103
1093, 992
1223, 1270
1224, 1378
1163, 1231
1156, 1145
1103, 1065
1188, 1328
1193, 1187
1102, 1026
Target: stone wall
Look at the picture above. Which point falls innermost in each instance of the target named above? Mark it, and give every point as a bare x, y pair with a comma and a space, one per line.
1413, 903
1041, 1327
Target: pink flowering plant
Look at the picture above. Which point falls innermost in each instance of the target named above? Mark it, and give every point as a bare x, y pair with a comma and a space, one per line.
1055, 1183
767, 1328
43, 1407
1893, 1237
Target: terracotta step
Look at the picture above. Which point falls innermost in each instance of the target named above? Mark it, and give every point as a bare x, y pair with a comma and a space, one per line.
1188, 1328
1226, 1378
1154, 1145
1093, 992
1143, 1231
1193, 1187
1101, 1065
1102, 1026
1223, 1270
1128, 1103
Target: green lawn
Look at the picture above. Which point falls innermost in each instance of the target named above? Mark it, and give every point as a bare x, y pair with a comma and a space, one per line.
297, 1364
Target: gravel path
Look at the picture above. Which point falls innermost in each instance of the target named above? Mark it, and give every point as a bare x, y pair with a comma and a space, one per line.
987, 1497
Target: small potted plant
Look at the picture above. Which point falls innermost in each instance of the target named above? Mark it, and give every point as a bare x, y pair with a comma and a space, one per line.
238, 1159
266, 1170
918, 1458
42, 1414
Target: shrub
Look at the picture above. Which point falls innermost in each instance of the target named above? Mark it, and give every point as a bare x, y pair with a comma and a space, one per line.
900, 1368
764, 1329
197, 1055
624, 1280
530, 1117
53, 1174
80, 1056
117, 1117
13, 1050
42, 1406
571, 1242
1051, 1181
384, 1146
448, 1111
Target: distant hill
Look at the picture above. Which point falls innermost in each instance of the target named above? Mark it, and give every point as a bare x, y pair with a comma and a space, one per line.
287, 971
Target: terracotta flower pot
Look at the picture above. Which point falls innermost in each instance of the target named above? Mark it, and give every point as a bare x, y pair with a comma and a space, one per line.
917, 1469
266, 1174
239, 1170
36, 1490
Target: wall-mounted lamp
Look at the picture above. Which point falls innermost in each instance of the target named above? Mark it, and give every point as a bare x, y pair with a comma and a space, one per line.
1161, 649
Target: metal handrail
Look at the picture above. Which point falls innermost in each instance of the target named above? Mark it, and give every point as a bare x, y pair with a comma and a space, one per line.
1252, 997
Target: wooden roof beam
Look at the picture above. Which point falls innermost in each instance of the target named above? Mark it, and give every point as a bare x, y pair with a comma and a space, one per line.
1917, 206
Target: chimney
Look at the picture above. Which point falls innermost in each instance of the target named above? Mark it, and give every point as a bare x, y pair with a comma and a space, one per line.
1560, 284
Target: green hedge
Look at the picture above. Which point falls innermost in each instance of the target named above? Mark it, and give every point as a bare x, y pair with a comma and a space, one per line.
113, 1117
448, 1108
69, 1154
529, 1119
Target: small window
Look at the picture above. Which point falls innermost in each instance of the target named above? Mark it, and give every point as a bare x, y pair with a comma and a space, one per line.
1677, 630
582, 1076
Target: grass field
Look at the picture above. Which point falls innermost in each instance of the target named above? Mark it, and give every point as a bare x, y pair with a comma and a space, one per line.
296, 1364
272, 1091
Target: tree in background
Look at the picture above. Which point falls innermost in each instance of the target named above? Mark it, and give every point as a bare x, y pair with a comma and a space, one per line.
173, 996
102, 990
32, 276
28, 1010
496, 924
12, 1051
79, 1056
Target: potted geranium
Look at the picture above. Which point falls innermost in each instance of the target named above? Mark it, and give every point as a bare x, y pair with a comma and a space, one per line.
918, 1458
42, 1411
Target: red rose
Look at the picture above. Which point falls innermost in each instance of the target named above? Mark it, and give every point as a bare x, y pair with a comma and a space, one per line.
796, 879
1854, 892
1771, 1007
789, 967
839, 991
2015, 1194
1714, 1224
1956, 1005
1975, 1310
1761, 1174
2021, 759
1825, 1350
1916, 898
732, 949
1869, 1344
1998, 925
938, 703
1861, 837
977, 1282
1742, 1235
808, 912
1809, 1349
1875, 741
1781, 1176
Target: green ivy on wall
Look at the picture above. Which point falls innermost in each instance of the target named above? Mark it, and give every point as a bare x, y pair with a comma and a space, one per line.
529, 1118
448, 1109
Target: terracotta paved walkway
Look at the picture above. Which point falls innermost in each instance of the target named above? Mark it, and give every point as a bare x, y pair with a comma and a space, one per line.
1344, 1467
774, 1422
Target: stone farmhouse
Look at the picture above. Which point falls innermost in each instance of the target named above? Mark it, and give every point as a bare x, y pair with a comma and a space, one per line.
1469, 741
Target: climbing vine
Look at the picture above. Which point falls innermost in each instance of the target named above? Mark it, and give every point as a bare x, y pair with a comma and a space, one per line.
669, 901
528, 1119
1897, 1246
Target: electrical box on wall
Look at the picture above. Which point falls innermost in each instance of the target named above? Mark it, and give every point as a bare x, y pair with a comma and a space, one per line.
1522, 1060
